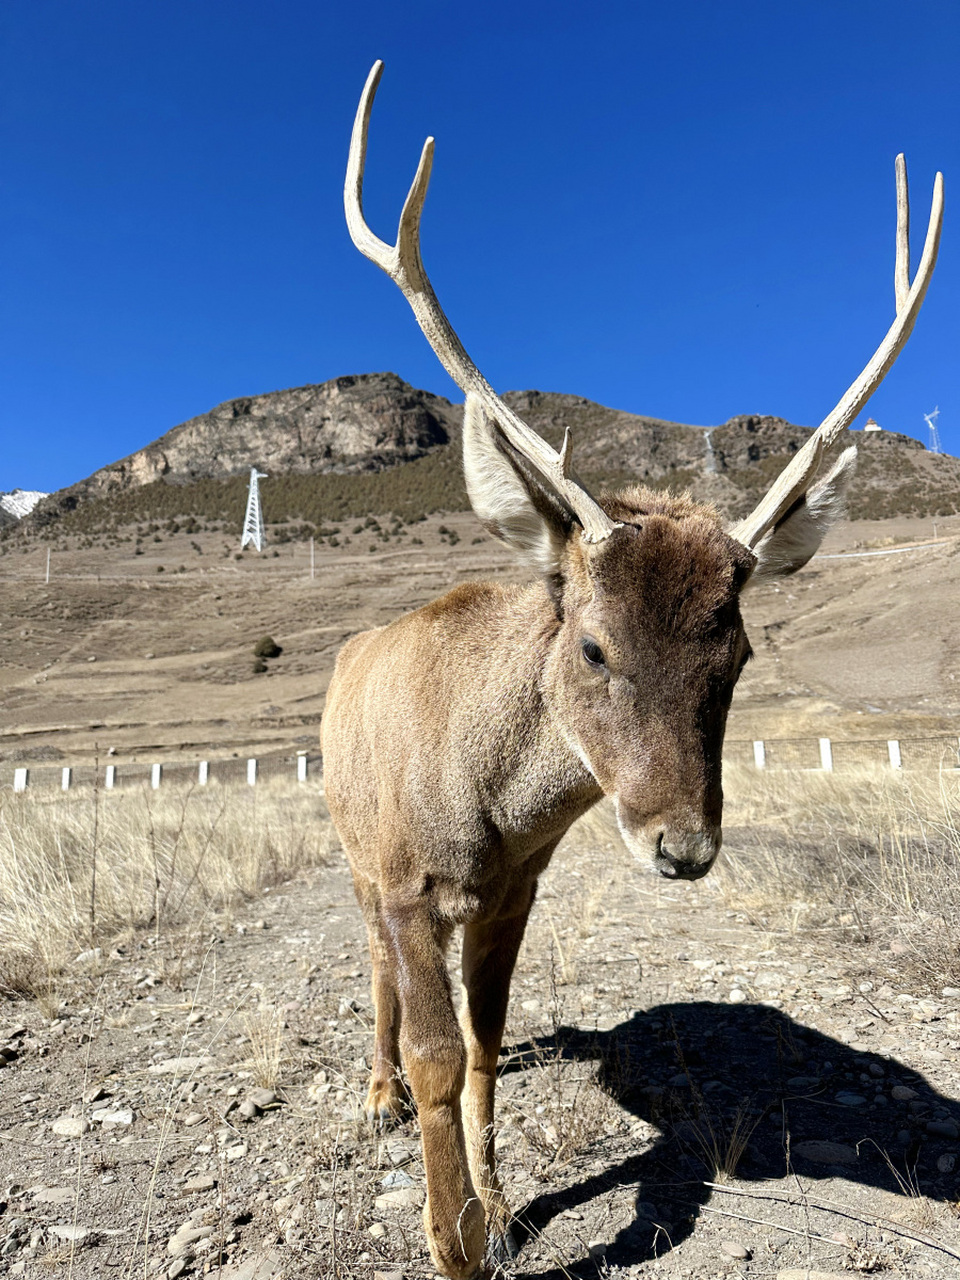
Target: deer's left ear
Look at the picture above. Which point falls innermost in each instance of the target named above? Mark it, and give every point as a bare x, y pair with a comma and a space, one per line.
797, 537
508, 496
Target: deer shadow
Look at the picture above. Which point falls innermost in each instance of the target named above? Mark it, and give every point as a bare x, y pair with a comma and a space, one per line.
717, 1079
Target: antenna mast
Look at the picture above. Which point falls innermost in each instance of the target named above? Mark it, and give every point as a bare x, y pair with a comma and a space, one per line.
931, 421
253, 530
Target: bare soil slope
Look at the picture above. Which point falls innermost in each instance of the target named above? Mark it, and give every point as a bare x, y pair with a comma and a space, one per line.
113, 652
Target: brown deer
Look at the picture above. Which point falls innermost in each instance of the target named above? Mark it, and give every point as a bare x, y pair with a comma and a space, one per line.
461, 741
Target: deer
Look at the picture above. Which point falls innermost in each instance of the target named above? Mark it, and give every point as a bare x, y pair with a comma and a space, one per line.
461, 741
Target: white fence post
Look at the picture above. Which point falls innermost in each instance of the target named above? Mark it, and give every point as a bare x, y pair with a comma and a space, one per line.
66, 777
893, 750
301, 766
203, 773
759, 754
252, 772
826, 755
110, 779
156, 776
20, 779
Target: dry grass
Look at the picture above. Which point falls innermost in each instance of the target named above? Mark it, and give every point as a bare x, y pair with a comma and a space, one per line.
78, 872
869, 855
873, 853
264, 1028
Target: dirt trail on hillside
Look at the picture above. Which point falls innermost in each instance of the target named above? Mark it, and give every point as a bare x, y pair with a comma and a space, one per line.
656, 1033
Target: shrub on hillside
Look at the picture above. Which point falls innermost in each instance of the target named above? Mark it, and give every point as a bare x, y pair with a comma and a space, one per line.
267, 647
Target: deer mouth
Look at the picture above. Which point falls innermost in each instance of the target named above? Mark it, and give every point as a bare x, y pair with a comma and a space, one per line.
676, 852
685, 856
672, 868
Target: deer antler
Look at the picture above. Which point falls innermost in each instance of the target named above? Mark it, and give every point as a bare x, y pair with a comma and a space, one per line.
797, 475
403, 264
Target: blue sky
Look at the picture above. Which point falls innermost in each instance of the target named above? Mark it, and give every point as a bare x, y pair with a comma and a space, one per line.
685, 211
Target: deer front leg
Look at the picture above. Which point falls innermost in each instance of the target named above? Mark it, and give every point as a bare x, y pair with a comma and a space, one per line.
385, 1098
432, 1049
489, 955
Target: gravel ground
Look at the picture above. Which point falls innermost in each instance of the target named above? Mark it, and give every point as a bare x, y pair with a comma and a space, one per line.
683, 1094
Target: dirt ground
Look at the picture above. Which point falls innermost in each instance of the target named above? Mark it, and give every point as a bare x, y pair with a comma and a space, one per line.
113, 655
657, 1036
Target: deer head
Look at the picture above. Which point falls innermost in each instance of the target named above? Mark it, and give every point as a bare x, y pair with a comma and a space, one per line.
648, 640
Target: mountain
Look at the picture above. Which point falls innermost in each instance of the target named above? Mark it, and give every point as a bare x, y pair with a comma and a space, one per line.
733, 464
371, 442
18, 503
351, 424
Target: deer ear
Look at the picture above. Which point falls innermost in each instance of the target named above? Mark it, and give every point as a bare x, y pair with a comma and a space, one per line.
507, 496
791, 543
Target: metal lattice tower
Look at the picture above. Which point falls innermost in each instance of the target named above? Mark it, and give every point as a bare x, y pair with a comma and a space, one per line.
253, 530
931, 420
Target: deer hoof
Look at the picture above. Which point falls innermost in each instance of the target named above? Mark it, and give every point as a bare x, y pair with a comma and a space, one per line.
385, 1105
457, 1253
502, 1248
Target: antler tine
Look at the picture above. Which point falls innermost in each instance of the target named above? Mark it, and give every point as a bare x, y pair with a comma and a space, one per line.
403, 264
901, 272
796, 476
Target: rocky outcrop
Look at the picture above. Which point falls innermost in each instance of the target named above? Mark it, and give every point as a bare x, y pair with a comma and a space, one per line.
359, 423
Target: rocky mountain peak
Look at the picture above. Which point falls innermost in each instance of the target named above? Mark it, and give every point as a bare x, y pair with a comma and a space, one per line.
359, 422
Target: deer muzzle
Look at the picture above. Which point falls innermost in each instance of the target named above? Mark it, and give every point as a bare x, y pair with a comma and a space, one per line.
685, 857
677, 852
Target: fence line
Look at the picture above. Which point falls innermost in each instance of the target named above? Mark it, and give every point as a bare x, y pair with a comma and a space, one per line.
302, 766
829, 754
823, 755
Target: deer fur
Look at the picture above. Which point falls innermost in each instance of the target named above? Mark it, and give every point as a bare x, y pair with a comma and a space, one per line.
461, 741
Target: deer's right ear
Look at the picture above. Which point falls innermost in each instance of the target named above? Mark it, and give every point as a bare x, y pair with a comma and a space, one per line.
509, 498
797, 537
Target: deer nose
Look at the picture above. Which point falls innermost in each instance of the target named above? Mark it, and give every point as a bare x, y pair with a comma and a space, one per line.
687, 855
682, 847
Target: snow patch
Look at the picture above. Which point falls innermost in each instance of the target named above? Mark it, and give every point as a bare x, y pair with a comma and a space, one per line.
20, 502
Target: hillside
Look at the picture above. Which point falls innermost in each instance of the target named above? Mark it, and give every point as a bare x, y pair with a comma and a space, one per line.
350, 424
733, 464
144, 644
372, 443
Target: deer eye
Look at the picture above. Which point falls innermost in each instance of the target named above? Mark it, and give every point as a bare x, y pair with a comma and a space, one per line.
592, 653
